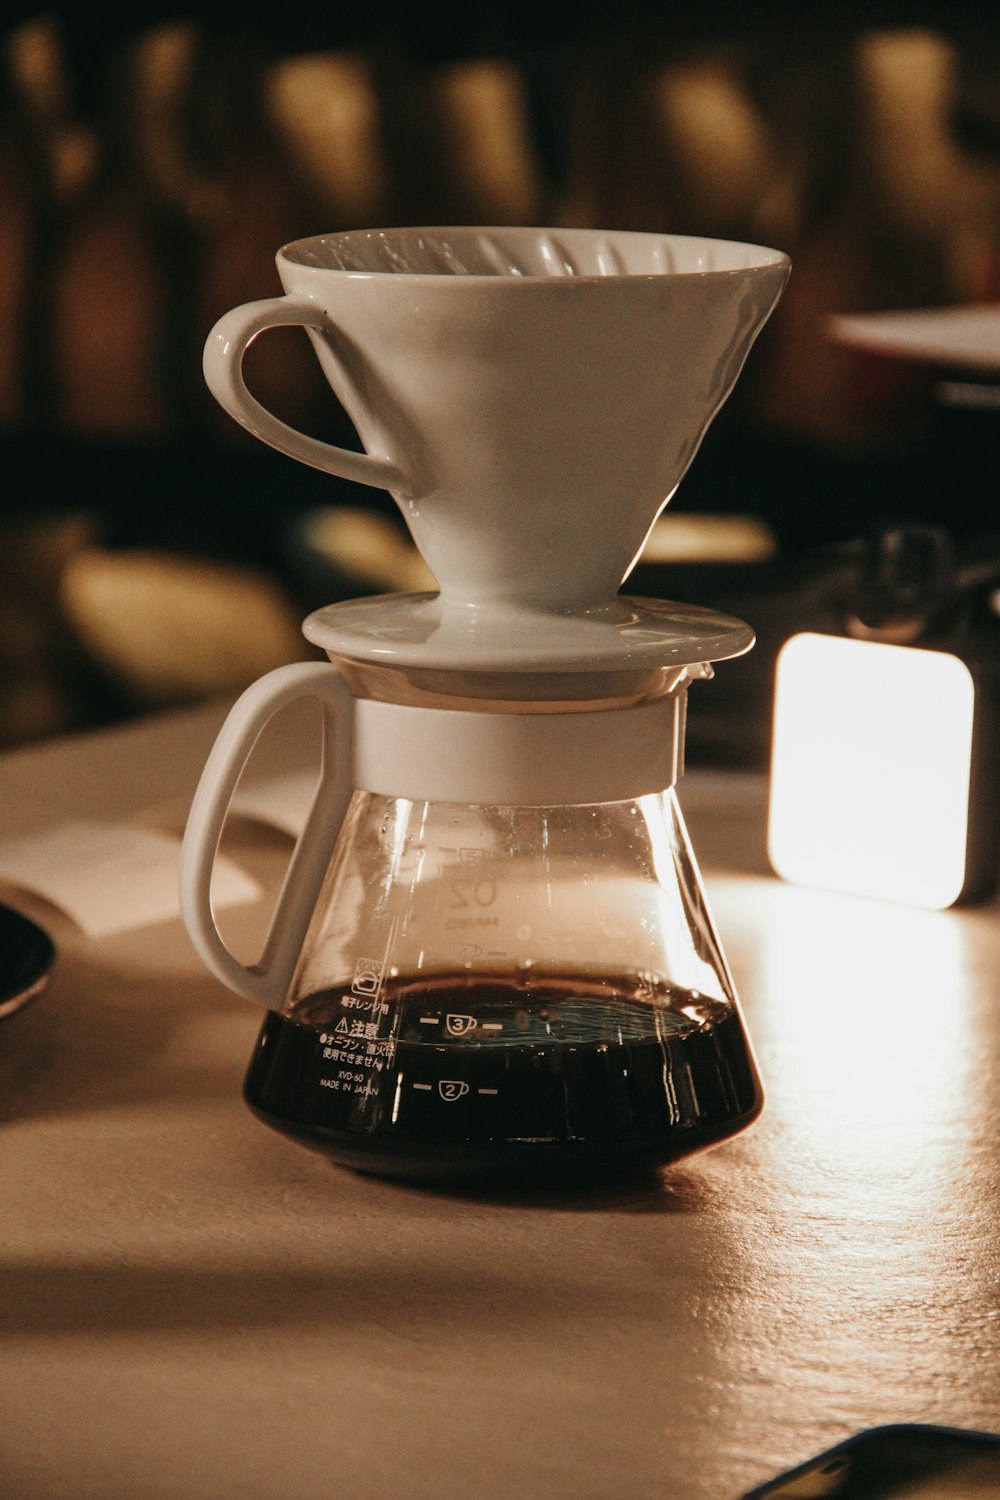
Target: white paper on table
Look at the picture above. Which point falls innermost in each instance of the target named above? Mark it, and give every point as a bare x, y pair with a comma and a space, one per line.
112, 877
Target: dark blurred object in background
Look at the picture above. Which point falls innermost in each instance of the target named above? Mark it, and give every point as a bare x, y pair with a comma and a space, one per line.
152, 163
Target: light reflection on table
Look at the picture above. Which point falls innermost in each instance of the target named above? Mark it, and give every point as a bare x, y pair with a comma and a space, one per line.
867, 1253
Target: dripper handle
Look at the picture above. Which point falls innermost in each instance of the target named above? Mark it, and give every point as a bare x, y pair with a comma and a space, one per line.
222, 362
267, 980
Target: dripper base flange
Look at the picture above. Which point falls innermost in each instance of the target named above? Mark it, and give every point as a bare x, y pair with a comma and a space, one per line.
424, 631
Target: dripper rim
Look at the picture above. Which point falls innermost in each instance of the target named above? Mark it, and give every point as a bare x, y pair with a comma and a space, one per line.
765, 259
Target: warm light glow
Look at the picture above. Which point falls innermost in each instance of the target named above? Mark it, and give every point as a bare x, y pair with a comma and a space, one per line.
865, 1021
870, 769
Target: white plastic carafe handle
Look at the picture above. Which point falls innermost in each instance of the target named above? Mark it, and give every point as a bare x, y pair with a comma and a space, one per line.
423, 754
268, 979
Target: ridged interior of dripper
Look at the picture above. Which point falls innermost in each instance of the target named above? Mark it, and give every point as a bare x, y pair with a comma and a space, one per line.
524, 253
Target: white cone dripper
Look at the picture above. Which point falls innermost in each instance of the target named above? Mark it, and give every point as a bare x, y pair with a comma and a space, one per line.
532, 399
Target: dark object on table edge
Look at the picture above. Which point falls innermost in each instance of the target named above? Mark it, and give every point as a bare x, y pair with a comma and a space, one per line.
897, 1462
26, 958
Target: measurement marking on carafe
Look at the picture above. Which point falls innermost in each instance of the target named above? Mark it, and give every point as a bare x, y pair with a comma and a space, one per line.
367, 979
427, 1087
451, 1089
492, 1026
487, 1091
429, 1020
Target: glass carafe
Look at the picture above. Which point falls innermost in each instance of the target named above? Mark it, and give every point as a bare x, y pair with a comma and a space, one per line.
465, 974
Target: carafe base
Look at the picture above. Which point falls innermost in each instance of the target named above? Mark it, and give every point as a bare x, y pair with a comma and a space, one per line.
564, 1084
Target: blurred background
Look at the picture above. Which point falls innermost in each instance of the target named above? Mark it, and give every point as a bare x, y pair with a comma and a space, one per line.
151, 554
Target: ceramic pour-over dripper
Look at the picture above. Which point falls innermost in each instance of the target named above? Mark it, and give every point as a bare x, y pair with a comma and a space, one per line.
531, 398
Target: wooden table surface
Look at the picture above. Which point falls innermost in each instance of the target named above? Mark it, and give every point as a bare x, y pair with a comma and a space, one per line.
193, 1307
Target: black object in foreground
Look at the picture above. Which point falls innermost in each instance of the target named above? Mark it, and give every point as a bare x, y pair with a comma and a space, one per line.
26, 958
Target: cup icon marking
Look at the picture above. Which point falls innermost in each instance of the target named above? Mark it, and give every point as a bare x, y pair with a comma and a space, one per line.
451, 1089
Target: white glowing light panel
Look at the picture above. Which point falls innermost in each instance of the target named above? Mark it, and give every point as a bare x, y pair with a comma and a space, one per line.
870, 769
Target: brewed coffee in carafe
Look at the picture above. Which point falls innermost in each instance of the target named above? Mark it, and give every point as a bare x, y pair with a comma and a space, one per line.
523, 985
492, 950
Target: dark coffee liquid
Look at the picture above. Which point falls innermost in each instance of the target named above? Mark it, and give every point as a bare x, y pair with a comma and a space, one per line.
460, 1075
